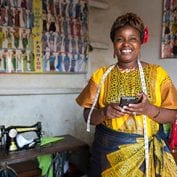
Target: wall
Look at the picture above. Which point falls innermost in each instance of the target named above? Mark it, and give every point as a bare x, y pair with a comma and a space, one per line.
26, 99
152, 16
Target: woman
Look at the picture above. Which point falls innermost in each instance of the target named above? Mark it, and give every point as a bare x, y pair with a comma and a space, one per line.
129, 140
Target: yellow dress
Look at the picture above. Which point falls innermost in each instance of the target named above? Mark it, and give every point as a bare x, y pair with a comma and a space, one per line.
161, 92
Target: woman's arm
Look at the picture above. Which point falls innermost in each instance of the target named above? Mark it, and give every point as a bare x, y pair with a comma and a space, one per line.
159, 114
97, 116
162, 115
113, 110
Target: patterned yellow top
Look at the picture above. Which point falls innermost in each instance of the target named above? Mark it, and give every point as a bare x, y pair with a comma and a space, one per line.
161, 92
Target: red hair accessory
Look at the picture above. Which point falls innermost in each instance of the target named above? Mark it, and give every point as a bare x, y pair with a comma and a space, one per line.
146, 35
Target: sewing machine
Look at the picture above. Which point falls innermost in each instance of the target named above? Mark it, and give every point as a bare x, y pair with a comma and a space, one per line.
15, 139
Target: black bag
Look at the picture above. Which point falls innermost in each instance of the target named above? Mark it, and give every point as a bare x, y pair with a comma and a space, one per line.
6, 171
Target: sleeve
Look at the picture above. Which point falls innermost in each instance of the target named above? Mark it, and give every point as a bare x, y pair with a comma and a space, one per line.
86, 97
168, 91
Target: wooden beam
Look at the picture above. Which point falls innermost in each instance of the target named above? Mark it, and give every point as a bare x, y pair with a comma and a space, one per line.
39, 91
98, 4
99, 45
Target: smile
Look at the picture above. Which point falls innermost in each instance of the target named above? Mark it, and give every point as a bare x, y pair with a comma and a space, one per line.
126, 51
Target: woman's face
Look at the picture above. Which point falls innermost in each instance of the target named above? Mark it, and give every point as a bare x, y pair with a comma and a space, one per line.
127, 44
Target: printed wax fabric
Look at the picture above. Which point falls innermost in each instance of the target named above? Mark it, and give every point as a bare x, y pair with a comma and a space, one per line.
161, 92
120, 154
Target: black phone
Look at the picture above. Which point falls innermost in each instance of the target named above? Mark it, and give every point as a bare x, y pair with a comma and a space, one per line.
126, 100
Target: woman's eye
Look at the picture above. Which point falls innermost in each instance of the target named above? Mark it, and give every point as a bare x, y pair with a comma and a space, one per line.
119, 40
133, 39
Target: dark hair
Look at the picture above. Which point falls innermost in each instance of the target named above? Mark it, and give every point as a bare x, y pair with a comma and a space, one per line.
130, 19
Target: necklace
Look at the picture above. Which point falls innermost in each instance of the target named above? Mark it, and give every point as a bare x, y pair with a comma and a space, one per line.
126, 70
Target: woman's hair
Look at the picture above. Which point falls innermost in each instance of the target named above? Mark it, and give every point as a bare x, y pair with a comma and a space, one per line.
130, 19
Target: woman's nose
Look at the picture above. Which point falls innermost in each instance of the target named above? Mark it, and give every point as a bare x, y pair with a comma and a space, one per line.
125, 43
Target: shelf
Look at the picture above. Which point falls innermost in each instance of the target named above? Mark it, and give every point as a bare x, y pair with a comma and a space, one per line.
99, 45
39, 91
98, 4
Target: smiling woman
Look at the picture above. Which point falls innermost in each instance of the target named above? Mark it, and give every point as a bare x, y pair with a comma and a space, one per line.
127, 44
129, 140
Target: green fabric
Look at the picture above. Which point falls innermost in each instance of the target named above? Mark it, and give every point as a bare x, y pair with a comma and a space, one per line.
166, 128
44, 163
47, 140
45, 160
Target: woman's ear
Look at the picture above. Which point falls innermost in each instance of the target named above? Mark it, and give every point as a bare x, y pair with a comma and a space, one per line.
115, 51
114, 54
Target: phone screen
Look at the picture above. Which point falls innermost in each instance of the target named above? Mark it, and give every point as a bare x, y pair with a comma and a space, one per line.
126, 100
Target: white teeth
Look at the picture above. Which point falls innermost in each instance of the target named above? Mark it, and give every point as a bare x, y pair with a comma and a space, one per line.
126, 51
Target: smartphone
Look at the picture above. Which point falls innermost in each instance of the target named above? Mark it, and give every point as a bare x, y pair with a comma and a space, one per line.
126, 100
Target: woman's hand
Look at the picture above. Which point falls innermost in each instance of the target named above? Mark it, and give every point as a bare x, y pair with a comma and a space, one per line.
113, 110
144, 107
158, 114
98, 116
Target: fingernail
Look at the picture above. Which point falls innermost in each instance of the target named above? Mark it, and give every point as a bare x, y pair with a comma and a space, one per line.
122, 110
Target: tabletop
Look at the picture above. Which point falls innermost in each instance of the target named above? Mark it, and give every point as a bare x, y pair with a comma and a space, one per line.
68, 143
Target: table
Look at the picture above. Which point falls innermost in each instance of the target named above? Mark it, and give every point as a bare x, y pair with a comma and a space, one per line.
68, 144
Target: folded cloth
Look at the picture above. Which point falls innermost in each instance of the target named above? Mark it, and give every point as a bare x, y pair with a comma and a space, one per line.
46, 140
46, 160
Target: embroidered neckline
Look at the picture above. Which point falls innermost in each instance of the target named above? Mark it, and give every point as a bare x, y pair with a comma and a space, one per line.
126, 70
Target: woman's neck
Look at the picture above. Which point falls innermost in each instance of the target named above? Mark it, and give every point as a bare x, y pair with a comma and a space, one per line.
127, 67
